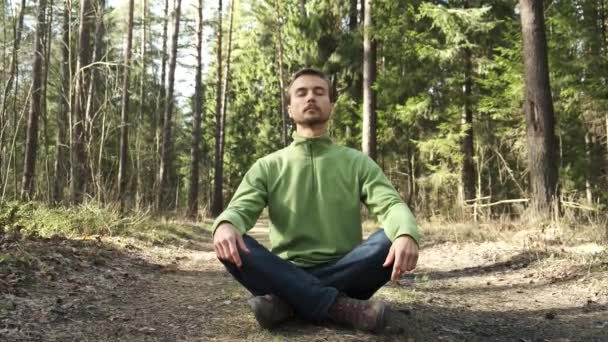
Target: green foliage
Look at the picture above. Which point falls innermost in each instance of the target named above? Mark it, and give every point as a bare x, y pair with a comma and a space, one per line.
421, 46
36, 219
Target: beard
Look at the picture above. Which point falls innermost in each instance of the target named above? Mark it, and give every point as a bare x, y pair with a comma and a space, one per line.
312, 121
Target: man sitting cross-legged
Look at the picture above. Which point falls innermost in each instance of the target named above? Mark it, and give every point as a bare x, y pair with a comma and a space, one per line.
318, 267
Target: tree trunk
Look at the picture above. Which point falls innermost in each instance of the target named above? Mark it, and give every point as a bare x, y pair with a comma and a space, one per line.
284, 116
78, 153
31, 144
14, 58
92, 100
44, 100
139, 176
303, 8
362, 8
8, 87
604, 49
166, 161
60, 167
369, 77
589, 168
197, 118
468, 167
3, 120
158, 125
538, 108
217, 204
219, 159
353, 15
124, 112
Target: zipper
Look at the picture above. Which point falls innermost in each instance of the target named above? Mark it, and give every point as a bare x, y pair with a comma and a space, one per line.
312, 163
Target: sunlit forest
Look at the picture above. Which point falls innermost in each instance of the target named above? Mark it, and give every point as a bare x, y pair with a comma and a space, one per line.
126, 127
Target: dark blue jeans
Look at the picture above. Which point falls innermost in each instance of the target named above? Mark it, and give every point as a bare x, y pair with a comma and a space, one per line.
311, 291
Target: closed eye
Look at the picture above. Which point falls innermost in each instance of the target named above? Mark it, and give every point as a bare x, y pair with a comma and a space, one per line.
319, 91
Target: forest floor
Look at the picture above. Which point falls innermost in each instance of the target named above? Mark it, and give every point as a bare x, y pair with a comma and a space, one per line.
467, 288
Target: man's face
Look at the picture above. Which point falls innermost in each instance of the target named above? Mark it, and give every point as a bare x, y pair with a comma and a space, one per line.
309, 101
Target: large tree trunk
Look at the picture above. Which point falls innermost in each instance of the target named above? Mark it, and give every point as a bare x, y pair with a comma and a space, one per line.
60, 168
160, 105
284, 117
31, 144
604, 56
166, 161
78, 155
369, 77
197, 118
220, 143
468, 167
44, 101
124, 112
139, 172
538, 108
217, 204
3, 120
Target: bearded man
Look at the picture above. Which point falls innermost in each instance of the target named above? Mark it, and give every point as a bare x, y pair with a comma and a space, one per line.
318, 267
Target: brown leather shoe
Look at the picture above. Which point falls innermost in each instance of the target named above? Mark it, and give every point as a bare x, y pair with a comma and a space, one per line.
359, 314
270, 310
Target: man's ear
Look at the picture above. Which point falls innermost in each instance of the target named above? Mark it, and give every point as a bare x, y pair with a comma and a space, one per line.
289, 111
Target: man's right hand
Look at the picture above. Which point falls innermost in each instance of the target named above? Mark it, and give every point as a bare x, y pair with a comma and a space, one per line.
227, 242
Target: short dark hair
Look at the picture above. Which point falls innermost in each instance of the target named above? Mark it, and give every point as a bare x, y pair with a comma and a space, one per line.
313, 72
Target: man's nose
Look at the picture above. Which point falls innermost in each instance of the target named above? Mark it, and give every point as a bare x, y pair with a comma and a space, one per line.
310, 97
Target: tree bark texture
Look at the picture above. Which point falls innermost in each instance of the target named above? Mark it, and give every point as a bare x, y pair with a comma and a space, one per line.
538, 108
195, 149
139, 172
166, 162
284, 117
78, 154
61, 167
368, 135
31, 144
163, 74
468, 166
217, 202
124, 112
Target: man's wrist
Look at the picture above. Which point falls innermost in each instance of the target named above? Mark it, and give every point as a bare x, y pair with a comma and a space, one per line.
220, 225
407, 236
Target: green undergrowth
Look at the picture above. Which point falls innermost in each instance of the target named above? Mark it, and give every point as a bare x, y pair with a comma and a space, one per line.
34, 219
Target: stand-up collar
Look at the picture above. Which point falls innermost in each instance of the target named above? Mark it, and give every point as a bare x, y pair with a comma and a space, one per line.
322, 140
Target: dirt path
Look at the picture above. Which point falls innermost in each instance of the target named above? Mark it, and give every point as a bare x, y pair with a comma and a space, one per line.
122, 290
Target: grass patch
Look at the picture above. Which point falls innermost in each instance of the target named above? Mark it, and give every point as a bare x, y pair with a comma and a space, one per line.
397, 295
35, 219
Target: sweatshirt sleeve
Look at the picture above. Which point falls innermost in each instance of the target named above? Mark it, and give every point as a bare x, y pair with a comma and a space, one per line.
383, 201
247, 202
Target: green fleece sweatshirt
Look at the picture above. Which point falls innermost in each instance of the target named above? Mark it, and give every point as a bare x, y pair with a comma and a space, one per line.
313, 190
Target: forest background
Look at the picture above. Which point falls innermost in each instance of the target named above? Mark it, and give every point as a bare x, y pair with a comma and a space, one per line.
161, 106
127, 125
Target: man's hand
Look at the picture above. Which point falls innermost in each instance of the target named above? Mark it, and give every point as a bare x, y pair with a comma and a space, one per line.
227, 242
403, 255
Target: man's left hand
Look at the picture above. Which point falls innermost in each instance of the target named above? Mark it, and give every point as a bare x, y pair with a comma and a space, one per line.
403, 255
